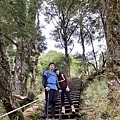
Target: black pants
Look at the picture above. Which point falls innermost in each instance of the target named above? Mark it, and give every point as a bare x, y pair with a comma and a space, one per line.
52, 103
63, 93
52, 100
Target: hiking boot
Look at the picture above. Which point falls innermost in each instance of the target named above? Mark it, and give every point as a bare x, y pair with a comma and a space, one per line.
73, 109
63, 110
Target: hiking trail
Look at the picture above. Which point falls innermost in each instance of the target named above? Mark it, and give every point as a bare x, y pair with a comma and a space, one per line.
75, 87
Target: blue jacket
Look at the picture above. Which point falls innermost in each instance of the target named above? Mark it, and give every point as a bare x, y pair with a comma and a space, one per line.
50, 79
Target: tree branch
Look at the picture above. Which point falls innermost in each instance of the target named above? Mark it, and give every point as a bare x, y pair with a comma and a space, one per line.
103, 60
72, 32
92, 65
71, 49
69, 8
9, 38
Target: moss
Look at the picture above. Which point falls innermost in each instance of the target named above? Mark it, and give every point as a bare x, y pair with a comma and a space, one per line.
21, 115
82, 112
34, 116
37, 113
100, 100
117, 117
110, 109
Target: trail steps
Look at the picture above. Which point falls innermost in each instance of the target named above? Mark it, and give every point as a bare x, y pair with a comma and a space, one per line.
75, 86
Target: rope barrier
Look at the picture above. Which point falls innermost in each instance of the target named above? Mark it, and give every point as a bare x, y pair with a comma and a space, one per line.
20, 108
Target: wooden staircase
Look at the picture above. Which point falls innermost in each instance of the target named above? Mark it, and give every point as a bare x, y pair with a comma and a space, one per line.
75, 86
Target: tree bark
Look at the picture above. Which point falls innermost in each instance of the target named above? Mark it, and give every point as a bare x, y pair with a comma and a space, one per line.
112, 30
113, 49
93, 50
33, 76
83, 47
64, 27
22, 66
67, 60
5, 83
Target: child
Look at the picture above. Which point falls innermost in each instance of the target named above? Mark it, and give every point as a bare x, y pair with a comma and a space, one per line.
65, 90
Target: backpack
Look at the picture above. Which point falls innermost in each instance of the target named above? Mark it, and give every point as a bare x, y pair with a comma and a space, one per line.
63, 77
48, 74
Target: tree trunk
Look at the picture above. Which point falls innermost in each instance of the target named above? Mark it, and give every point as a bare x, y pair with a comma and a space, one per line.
83, 47
22, 66
67, 60
33, 77
5, 76
94, 52
113, 44
91, 40
65, 44
5, 83
112, 30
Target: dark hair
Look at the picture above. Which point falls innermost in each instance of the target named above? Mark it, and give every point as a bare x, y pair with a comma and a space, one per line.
51, 64
56, 70
59, 72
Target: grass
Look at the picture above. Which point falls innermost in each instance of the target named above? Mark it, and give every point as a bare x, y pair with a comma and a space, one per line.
94, 99
2, 111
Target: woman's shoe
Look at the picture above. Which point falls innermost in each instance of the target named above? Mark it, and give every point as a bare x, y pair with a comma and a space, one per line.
63, 110
73, 108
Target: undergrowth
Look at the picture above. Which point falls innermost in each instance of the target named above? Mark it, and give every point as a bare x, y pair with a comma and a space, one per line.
94, 99
99, 101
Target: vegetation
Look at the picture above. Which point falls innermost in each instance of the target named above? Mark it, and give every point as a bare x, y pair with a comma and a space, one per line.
22, 61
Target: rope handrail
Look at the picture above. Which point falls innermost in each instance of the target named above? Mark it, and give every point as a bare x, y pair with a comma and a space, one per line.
20, 107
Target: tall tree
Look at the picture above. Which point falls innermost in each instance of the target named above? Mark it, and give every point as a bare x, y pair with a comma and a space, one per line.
90, 29
18, 30
5, 79
109, 12
112, 12
64, 15
112, 31
39, 46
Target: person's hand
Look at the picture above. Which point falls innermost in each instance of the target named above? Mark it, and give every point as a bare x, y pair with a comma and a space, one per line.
67, 89
47, 88
60, 91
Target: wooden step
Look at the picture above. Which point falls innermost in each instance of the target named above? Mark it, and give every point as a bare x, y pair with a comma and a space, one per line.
58, 111
62, 116
66, 106
66, 102
72, 98
71, 95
